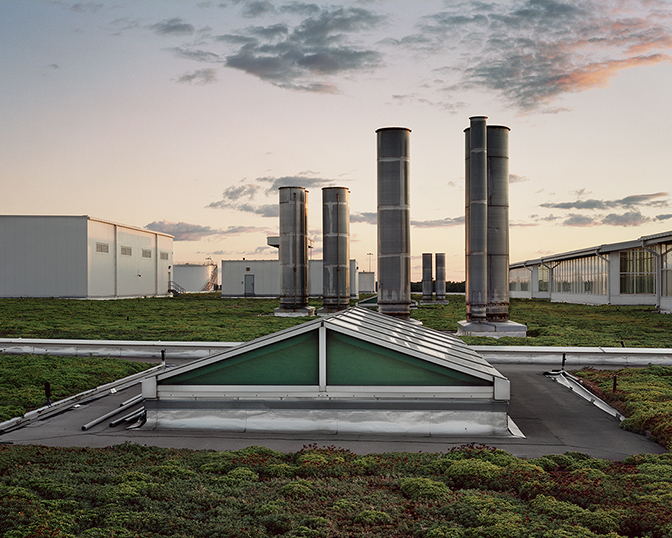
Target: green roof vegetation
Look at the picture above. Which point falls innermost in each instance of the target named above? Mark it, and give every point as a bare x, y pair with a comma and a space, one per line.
208, 317
468, 492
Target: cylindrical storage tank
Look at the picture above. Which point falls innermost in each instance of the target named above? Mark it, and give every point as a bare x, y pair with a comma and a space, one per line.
427, 277
394, 222
293, 248
336, 248
477, 277
440, 282
498, 223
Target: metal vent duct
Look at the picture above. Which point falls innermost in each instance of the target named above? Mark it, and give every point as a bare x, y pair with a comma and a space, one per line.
440, 281
427, 277
487, 221
477, 219
293, 251
498, 223
394, 222
336, 248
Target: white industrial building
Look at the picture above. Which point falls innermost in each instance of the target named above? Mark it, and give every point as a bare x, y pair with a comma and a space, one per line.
261, 278
637, 272
81, 257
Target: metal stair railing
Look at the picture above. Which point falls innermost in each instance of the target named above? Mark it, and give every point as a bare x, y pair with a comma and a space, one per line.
175, 288
212, 281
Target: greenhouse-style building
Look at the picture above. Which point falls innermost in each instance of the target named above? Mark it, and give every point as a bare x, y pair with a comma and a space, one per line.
637, 272
355, 371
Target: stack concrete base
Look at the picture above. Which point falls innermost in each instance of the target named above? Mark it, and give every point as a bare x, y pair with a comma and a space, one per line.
493, 329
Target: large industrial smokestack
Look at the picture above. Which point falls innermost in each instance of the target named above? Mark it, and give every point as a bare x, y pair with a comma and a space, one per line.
427, 277
336, 249
477, 219
394, 222
440, 281
487, 232
498, 223
293, 253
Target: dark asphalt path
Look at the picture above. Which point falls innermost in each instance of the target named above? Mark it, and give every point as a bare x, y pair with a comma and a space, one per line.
553, 419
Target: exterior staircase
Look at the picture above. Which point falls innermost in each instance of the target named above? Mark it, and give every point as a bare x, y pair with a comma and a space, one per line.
175, 288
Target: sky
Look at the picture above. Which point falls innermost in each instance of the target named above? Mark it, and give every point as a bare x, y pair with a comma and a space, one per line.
186, 116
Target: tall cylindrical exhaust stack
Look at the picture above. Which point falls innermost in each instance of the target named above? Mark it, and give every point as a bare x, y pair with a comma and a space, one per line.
293, 252
336, 249
477, 278
394, 222
467, 214
498, 223
427, 277
440, 281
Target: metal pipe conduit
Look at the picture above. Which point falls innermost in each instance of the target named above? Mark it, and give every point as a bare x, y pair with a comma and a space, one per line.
394, 222
477, 279
336, 248
115, 411
427, 277
440, 281
498, 223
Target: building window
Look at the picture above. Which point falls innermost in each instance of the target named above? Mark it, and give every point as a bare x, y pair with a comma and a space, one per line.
519, 279
164, 255
666, 272
103, 247
583, 276
146, 253
542, 272
638, 271
126, 251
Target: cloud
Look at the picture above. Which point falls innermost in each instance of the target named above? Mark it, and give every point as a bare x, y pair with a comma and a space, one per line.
631, 218
304, 53
183, 231
580, 220
367, 218
442, 223
242, 197
578, 204
631, 201
257, 8
200, 77
86, 7
196, 55
531, 52
296, 181
664, 217
514, 178
174, 26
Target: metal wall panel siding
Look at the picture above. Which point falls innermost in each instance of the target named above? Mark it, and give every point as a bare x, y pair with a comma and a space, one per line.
394, 238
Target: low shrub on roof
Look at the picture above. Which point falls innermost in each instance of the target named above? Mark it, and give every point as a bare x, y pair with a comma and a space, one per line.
133, 490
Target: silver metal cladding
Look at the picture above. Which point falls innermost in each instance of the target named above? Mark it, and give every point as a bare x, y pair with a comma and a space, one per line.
336, 248
498, 223
427, 277
394, 222
477, 278
293, 247
440, 280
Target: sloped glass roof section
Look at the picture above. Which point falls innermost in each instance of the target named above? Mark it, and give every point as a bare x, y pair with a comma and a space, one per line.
351, 361
292, 361
354, 347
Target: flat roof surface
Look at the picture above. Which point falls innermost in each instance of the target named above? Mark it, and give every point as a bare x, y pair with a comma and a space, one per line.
553, 419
